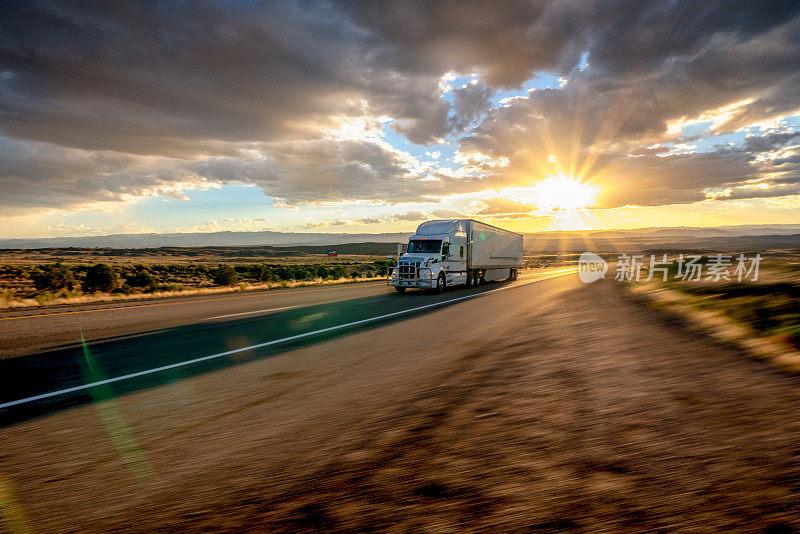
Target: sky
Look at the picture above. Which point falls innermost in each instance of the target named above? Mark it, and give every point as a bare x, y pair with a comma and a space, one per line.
348, 116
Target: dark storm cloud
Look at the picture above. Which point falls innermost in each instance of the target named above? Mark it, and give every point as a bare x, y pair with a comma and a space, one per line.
135, 97
504, 40
171, 77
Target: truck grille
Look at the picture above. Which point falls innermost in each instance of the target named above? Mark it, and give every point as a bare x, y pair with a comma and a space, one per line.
408, 271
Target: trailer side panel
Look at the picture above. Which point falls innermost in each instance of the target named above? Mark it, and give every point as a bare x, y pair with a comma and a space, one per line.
492, 247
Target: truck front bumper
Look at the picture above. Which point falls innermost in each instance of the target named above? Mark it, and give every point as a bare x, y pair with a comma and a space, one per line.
412, 282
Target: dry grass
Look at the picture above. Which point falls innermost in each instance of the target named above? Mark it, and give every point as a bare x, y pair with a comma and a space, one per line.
760, 317
153, 256
12, 303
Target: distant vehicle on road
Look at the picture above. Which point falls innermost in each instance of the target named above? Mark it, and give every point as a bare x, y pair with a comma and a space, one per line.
457, 252
332, 253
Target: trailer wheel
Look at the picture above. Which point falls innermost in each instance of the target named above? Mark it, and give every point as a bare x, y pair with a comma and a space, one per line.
400, 290
441, 283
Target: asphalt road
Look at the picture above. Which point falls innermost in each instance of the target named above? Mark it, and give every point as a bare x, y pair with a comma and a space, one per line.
27, 331
55, 355
550, 406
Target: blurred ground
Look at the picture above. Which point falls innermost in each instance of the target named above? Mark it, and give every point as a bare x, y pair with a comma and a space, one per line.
551, 407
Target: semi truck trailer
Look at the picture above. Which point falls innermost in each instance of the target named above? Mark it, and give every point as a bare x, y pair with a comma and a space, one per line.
456, 252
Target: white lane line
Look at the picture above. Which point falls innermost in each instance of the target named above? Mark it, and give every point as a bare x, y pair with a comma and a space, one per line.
268, 343
250, 312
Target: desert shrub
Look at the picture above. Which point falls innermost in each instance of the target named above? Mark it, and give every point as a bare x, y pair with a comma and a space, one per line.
141, 278
124, 289
381, 267
226, 276
266, 274
301, 273
257, 272
100, 277
53, 277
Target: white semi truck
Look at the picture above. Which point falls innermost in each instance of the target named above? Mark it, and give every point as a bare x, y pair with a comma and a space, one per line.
457, 252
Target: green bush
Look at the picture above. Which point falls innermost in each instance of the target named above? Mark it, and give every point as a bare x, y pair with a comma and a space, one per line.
53, 278
100, 277
141, 278
124, 289
226, 276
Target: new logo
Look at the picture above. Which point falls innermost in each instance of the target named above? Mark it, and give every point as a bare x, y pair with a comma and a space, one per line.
591, 267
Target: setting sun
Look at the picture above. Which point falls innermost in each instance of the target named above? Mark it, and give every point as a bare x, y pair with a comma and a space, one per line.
564, 193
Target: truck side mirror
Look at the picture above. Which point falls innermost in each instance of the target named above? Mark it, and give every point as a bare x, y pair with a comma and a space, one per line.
399, 249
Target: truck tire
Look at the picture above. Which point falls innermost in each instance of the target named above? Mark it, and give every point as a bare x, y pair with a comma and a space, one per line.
441, 283
400, 290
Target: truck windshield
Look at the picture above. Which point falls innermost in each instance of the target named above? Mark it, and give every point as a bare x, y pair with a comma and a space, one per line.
425, 246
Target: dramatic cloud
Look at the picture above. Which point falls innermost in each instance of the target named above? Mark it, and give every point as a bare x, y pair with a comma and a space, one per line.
504, 41
503, 207
101, 102
44, 175
447, 214
722, 64
410, 216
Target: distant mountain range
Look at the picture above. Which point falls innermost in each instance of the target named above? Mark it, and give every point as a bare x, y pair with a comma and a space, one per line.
201, 240
555, 240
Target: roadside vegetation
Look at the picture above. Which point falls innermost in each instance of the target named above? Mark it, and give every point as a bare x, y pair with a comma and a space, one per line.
57, 282
763, 316
772, 309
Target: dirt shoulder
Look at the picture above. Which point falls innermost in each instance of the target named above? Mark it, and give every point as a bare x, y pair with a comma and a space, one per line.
558, 407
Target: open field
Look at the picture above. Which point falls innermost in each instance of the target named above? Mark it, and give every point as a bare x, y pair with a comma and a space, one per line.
38, 277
